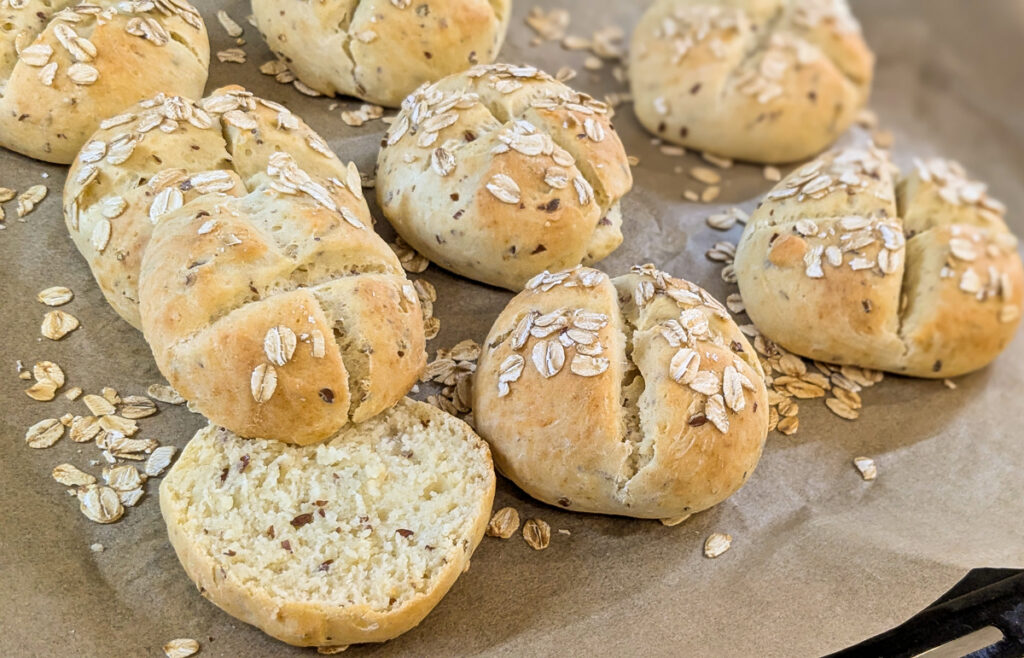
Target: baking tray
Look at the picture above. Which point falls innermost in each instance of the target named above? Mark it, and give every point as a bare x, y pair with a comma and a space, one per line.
820, 558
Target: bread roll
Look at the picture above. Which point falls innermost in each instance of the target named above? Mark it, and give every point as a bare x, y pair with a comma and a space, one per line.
168, 150
353, 540
758, 80
65, 65
844, 263
381, 50
635, 396
503, 172
265, 294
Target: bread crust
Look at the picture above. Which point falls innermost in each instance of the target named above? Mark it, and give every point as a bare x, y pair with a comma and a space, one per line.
51, 121
313, 623
457, 142
919, 276
381, 50
608, 443
272, 231
764, 81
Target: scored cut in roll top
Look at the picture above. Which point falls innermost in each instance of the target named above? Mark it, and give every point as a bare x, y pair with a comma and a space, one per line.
245, 249
846, 261
636, 395
502, 172
759, 80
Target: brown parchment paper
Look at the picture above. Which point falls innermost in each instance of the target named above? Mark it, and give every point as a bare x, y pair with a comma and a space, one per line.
820, 558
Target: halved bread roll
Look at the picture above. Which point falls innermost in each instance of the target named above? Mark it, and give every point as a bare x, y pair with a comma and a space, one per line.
353, 540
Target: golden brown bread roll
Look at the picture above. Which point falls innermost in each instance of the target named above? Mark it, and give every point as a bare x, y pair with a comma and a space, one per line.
381, 50
502, 172
244, 248
636, 395
759, 80
845, 263
65, 66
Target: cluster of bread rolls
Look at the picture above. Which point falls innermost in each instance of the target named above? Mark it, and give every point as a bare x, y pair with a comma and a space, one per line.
319, 504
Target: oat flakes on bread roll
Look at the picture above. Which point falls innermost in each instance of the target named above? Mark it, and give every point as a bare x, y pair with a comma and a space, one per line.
635, 396
845, 262
65, 65
349, 541
759, 80
381, 50
501, 173
262, 288
153, 157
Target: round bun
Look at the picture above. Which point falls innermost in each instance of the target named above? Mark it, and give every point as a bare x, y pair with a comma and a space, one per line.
64, 66
635, 396
243, 247
502, 172
380, 50
353, 540
135, 167
843, 263
757, 80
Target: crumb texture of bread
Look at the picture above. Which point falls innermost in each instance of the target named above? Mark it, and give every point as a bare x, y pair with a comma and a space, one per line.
352, 540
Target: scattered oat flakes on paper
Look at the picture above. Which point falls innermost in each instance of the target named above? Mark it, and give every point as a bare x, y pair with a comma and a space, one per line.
44, 433
867, 467
537, 534
181, 648
549, 25
504, 523
31, 197
164, 393
231, 56
57, 324
716, 544
55, 296
232, 28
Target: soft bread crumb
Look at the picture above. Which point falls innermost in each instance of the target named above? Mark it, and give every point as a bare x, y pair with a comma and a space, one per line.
370, 517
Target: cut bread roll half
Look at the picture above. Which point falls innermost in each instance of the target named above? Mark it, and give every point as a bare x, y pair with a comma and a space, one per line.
348, 541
